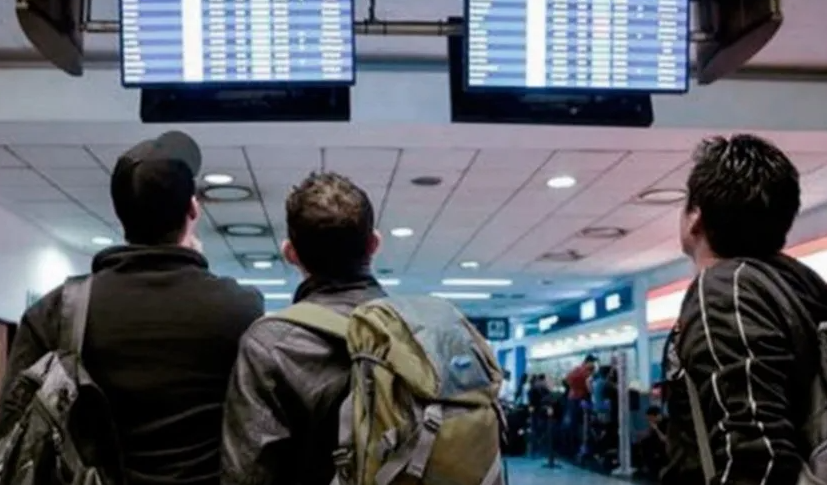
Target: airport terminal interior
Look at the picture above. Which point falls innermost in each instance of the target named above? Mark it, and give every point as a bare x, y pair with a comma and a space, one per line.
527, 160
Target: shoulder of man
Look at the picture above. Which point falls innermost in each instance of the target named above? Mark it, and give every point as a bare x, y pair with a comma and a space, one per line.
43, 317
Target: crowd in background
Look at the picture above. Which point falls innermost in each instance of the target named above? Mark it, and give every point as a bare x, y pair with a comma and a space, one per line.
577, 418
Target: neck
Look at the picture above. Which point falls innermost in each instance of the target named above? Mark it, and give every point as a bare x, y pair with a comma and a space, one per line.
704, 260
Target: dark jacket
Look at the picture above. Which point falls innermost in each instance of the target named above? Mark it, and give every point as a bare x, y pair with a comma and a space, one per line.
161, 339
282, 414
752, 357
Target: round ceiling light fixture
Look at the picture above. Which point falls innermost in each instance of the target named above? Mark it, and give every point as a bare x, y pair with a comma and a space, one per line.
226, 193
102, 241
244, 230
218, 178
426, 181
402, 232
560, 256
603, 232
469, 265
661, 196
258, 259
561, 182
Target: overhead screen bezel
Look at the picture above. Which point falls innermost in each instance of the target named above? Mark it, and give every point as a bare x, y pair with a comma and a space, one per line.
265, 84
466, 29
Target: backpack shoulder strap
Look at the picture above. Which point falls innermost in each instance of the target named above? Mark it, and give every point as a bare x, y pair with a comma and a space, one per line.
74, 311
315, 317
701, 434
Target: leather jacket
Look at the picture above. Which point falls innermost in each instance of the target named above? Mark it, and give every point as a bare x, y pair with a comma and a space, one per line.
282, 412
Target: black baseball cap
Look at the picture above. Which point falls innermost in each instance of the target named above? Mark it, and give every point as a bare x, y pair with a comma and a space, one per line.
152, 186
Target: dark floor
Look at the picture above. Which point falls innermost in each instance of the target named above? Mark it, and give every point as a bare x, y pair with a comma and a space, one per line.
523, 471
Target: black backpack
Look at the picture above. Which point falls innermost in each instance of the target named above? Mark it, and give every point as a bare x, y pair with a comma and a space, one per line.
60, 429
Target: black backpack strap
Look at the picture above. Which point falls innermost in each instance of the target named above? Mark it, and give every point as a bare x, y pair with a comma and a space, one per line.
74, 310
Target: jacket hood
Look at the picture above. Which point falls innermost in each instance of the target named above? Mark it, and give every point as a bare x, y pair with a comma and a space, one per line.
810, 288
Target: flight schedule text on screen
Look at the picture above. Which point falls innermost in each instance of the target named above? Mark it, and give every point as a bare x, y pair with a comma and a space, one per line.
236, 41
578, 44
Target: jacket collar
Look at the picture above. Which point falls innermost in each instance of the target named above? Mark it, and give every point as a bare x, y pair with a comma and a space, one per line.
147, 258
361, 284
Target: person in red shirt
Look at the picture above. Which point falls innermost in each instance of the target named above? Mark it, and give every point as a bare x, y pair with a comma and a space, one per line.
578, 381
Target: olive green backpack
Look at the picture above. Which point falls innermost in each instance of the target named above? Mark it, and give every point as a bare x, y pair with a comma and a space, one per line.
423, 406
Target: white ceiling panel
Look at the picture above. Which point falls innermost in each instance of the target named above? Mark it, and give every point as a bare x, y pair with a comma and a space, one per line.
54, 211
7, 159
21, 177
77, 177
215, 158
503, 169
46, 193
252, 244
808, 162
369, 166
289, 159
425, 161
545, 237
249, 212
107, 155
567, 162
43, 157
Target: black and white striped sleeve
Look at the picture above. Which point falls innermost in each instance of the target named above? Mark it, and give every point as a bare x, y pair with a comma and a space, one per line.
736, 350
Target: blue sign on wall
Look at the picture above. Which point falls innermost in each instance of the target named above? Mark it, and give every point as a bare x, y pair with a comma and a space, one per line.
493, 329
610, 303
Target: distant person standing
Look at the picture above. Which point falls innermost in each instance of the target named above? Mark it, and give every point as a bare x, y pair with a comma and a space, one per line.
537, 401
162, 331
578, 382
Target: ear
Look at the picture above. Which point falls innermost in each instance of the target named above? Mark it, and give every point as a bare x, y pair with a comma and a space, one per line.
288, 252
374, 243
694, 225
194, 211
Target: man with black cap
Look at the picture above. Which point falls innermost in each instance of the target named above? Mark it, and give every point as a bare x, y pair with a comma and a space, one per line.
162, 332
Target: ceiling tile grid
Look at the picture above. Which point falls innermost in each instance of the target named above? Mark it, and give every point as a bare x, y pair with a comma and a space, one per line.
491, 206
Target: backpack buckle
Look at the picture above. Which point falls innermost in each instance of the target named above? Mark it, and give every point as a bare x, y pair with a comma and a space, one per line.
432, 418
342, 458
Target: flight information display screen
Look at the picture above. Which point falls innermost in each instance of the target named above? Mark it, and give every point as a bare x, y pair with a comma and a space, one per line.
173, 42
639, 45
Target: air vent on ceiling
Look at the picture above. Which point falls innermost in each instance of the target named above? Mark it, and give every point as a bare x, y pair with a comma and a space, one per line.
384, 271
426, 181
226, 193
561, 256
603, 232
660, 196
258, 256
244, 230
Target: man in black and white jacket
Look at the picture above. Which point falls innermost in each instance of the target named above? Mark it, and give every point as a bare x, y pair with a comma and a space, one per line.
751, 353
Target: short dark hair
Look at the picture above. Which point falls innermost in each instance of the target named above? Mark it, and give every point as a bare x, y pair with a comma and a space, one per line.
330, 222
591, 358
653, 411
748, 194
152, 200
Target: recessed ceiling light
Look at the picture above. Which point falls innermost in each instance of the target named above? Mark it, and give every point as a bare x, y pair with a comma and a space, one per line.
260, 282
226, 193
660, 196
461, 296
402, 232
389, 281
278, 296
262, 264
469, 265
603, 232
561, 256
561, 182
476, 282
218, 179
244, 230
258, 256
102, 241
426, 181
